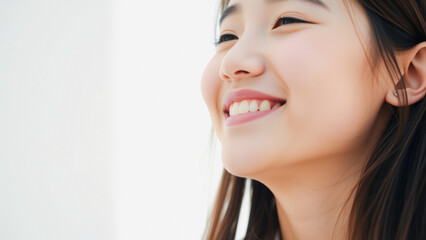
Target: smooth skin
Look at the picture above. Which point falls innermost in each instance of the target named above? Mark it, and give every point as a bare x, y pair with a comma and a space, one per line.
310, 152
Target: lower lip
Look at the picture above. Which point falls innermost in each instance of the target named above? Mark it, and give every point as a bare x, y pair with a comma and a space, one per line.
246, 117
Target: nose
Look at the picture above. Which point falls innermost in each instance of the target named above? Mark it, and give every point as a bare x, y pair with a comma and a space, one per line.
241, 62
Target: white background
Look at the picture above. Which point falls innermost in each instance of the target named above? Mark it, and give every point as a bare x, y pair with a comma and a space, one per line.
103, 130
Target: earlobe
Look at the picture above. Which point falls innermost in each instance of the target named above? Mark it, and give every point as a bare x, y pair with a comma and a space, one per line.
414, 76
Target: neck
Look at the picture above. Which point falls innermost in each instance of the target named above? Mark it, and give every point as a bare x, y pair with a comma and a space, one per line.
311, 196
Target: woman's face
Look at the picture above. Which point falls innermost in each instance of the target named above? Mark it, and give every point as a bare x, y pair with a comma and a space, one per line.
309, 59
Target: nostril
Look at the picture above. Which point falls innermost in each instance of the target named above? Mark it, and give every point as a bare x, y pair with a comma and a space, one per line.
225, 77
241, 72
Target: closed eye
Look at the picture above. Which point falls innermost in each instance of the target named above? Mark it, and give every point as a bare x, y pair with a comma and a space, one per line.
225, 37
287, 20
280, 21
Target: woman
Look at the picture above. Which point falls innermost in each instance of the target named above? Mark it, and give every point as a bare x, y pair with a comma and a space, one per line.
319, 104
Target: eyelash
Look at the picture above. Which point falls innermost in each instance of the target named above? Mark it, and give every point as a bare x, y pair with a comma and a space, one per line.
225, 37
291, 19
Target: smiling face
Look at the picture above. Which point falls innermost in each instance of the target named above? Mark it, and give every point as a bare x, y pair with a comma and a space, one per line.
306, 56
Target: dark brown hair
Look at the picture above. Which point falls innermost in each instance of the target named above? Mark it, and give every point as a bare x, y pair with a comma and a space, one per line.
390, 197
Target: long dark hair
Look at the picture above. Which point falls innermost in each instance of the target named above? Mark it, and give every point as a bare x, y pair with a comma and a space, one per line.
390, 197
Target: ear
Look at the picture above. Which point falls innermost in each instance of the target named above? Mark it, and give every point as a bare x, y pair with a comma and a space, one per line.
413, 68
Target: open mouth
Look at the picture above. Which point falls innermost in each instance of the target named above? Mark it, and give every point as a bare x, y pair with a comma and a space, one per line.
251, 106
245, 105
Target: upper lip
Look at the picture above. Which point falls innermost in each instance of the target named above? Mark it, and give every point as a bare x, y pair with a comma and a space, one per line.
243, 94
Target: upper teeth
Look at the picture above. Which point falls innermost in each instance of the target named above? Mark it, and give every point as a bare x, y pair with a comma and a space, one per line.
246, 106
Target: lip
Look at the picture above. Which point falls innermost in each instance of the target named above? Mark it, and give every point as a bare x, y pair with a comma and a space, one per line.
236, 96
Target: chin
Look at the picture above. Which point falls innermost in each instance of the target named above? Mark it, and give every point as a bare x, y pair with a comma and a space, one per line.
245, 164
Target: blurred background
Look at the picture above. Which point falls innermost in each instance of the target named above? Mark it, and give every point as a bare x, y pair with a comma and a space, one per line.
103, 130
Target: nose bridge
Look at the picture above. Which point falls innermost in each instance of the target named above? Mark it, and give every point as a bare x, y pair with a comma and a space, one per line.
243, 60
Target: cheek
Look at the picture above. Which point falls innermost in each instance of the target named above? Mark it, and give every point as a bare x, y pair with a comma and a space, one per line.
211, 84
329, 96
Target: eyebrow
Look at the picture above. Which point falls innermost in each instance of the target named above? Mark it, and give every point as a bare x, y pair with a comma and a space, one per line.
236, 8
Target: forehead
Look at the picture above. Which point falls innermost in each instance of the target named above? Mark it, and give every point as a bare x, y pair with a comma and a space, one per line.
226, 2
